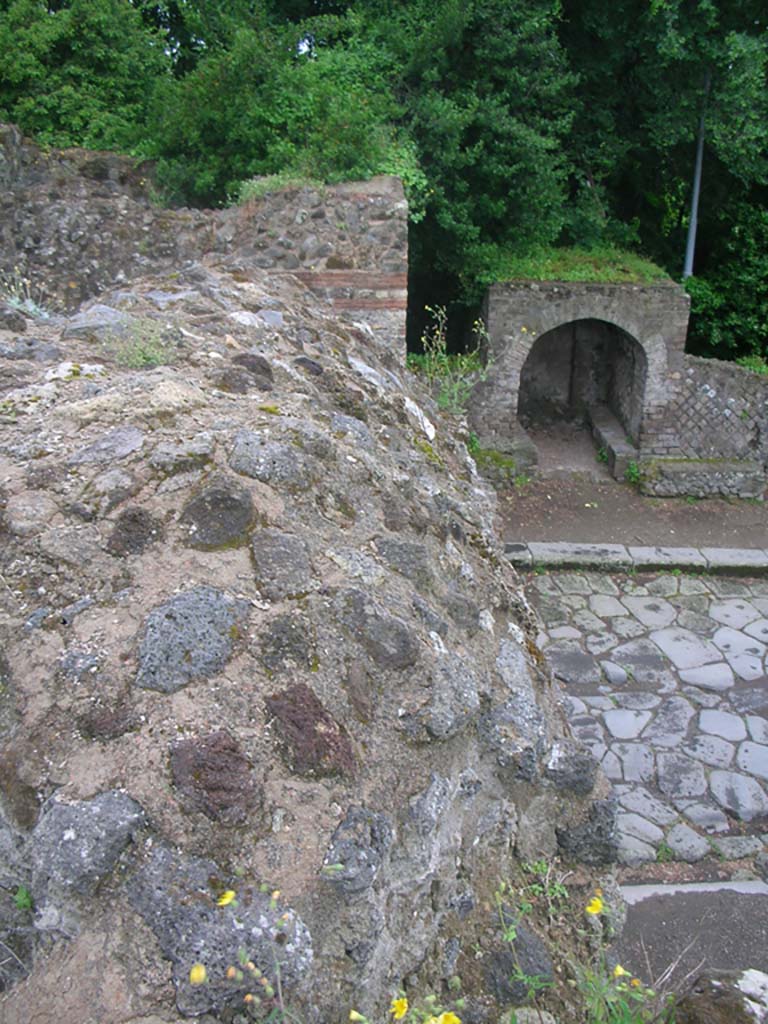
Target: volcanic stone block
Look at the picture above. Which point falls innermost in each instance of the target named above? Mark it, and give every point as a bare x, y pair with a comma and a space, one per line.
214, 776
282, 564
314, 742
357, 850
219, 516
190, 636
388, 640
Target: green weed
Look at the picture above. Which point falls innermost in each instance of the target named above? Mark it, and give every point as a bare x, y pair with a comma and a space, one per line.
452, 376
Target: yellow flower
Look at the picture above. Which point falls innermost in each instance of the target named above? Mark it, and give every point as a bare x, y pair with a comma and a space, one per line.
635, 983
448, 1018
619, 972
226, 898
595, 906
399, 1008
197, 974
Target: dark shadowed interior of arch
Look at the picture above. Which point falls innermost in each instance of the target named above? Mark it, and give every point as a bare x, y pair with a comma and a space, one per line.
579, 366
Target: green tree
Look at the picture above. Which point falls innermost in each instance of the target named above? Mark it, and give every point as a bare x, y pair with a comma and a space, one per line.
79, 72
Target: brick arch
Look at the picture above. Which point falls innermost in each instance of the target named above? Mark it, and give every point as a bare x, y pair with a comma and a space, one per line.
518, 314
581, 365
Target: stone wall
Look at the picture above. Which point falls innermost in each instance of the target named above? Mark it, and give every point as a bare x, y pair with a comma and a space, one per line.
74, 223
713, 436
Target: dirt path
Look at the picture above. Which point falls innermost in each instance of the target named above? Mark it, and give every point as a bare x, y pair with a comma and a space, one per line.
592, 512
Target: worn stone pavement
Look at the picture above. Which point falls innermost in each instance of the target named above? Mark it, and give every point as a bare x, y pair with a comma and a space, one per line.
665, 676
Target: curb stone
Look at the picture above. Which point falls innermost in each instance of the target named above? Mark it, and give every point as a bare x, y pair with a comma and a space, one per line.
616, 557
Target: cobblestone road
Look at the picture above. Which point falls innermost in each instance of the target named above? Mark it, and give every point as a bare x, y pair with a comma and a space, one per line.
666, 683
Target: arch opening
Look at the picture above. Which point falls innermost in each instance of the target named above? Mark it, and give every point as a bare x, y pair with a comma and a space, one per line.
582, 370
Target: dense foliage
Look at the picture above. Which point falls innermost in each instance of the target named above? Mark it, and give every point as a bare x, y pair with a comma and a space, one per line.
516, 127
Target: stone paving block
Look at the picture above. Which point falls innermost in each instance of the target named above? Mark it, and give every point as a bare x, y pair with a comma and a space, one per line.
575, 602
614, 674
684, 649
680, 776
753, 758
599, 583
587, 622
566, 555
711, 750
739, 794
686, 844
600, 643
670, 723
565, 633
606, 606
634, 589
734, 641
627, 628
637, 761
691, 585
637, 700
736, 558
653, 612
611, 765
546, 584
694, 602
750, 699
642, 660
635, 825
707, 816
552, 614
736, 847
758, 728
734, 612
697, 622
722, 723
664, 586
758, 630
663, 557
638, 799
746, 666
625, 724
715, 676
573, 583
703, 698
571, 665
601, 703
726, 587
632, 851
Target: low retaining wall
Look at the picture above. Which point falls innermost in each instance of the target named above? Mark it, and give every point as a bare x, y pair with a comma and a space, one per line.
712, 438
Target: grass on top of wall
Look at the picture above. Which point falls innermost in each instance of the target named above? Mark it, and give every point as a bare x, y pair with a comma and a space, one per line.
602, 264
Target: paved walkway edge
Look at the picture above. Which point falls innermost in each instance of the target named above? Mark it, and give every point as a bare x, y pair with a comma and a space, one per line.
637, 893
618, 558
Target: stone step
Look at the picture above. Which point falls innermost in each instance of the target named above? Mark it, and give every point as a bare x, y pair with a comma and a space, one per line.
611, 437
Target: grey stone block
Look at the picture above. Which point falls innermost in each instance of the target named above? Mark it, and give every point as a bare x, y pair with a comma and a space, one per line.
665, 558
190, 636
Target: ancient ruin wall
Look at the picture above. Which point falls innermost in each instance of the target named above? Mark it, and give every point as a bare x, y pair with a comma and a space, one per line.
713, 436
76, 222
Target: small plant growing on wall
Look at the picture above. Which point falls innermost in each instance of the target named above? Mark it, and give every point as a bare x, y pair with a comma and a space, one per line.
451, 375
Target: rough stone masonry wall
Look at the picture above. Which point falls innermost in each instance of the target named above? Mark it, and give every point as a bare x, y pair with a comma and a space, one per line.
75, 222
713, 436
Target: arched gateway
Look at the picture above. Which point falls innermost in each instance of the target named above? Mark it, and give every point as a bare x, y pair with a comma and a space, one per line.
607, 355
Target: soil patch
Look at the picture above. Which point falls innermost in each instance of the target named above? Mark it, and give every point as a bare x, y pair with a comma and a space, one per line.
593, 512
